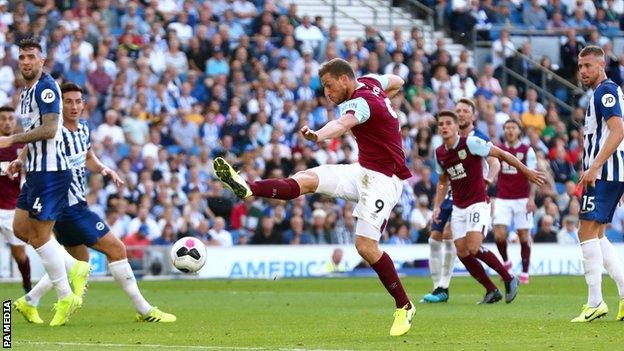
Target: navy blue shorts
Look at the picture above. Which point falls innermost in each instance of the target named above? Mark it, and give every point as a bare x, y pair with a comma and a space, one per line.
78, 225
599, 203
44, 195
446, 209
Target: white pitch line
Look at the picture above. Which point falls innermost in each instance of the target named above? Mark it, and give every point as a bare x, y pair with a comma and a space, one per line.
177, 347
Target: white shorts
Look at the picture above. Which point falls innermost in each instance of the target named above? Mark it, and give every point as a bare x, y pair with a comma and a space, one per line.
376, 194
474, 218
506, 210
6, 228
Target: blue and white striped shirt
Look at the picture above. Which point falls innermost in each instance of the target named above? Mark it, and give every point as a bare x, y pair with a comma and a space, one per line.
77, 143
42, 98
606, 102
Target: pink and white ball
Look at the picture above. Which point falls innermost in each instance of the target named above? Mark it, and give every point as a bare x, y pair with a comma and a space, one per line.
188, 254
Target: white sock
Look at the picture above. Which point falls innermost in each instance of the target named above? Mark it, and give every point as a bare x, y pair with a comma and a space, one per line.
435, 261
124, 276
67, 258
52, 260
41, 288
592, 264
450, 253
612, 264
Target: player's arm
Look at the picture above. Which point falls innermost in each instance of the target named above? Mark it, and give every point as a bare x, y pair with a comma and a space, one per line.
352, 112
615, 137
480, 147
15, 167
94, 164
441, 191
47, 130
494, 168
332, 129
531, 163
390, 83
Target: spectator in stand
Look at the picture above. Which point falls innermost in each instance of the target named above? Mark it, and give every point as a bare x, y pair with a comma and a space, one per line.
297, 235
545, 232
502, 49
568, 235
534, 15
219, 235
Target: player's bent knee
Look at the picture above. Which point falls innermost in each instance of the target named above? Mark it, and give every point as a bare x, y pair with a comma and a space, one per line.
436, 235
308, 181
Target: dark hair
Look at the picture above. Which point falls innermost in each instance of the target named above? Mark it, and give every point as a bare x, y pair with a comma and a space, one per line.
337, 67
468, 102
7, 108
447, 113
592, 50
70, 86
29, 43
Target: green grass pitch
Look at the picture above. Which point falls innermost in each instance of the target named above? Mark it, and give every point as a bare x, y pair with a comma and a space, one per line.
324, 314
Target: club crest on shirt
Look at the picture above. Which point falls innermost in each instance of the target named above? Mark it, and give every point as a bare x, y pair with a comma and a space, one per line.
462, 154
519, 155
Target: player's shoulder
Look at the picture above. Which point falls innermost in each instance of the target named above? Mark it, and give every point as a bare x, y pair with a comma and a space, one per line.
47, 90
479, 134
83, 124
606, 87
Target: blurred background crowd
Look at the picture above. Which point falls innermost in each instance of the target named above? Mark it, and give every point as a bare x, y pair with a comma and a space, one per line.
172, 84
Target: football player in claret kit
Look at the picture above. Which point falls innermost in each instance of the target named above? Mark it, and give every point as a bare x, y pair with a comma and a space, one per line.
601, 181
442, 251
515, 198
460, 161
48, 175
375, 182
10, 192
79, 227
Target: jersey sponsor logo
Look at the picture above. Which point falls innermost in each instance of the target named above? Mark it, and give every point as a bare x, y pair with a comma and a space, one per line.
608, 100
508, 169
99, 226
47, 95
4, 166
462, 154
457, 172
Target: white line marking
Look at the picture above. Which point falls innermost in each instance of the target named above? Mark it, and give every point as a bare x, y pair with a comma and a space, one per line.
177, 347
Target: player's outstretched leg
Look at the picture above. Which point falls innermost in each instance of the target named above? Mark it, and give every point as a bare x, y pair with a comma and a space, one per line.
384, 267
511, 282
279, 188
23, 264
115, 252
613, 265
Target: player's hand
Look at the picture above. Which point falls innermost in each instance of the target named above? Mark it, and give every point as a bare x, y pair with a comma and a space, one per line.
588, 178
436, 215
537, 177
14, 169
531, 207
5, 141
114, 176
309, 134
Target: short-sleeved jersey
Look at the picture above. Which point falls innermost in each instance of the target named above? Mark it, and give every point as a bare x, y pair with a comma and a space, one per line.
77, 143
511, 183
10, 189
377, 135
42, 98
464, 166
606, 102
479, 134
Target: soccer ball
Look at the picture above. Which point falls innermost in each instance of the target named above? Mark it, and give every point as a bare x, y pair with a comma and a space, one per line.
188, 254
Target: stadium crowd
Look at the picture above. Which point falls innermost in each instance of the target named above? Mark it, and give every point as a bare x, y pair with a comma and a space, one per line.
172, 84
